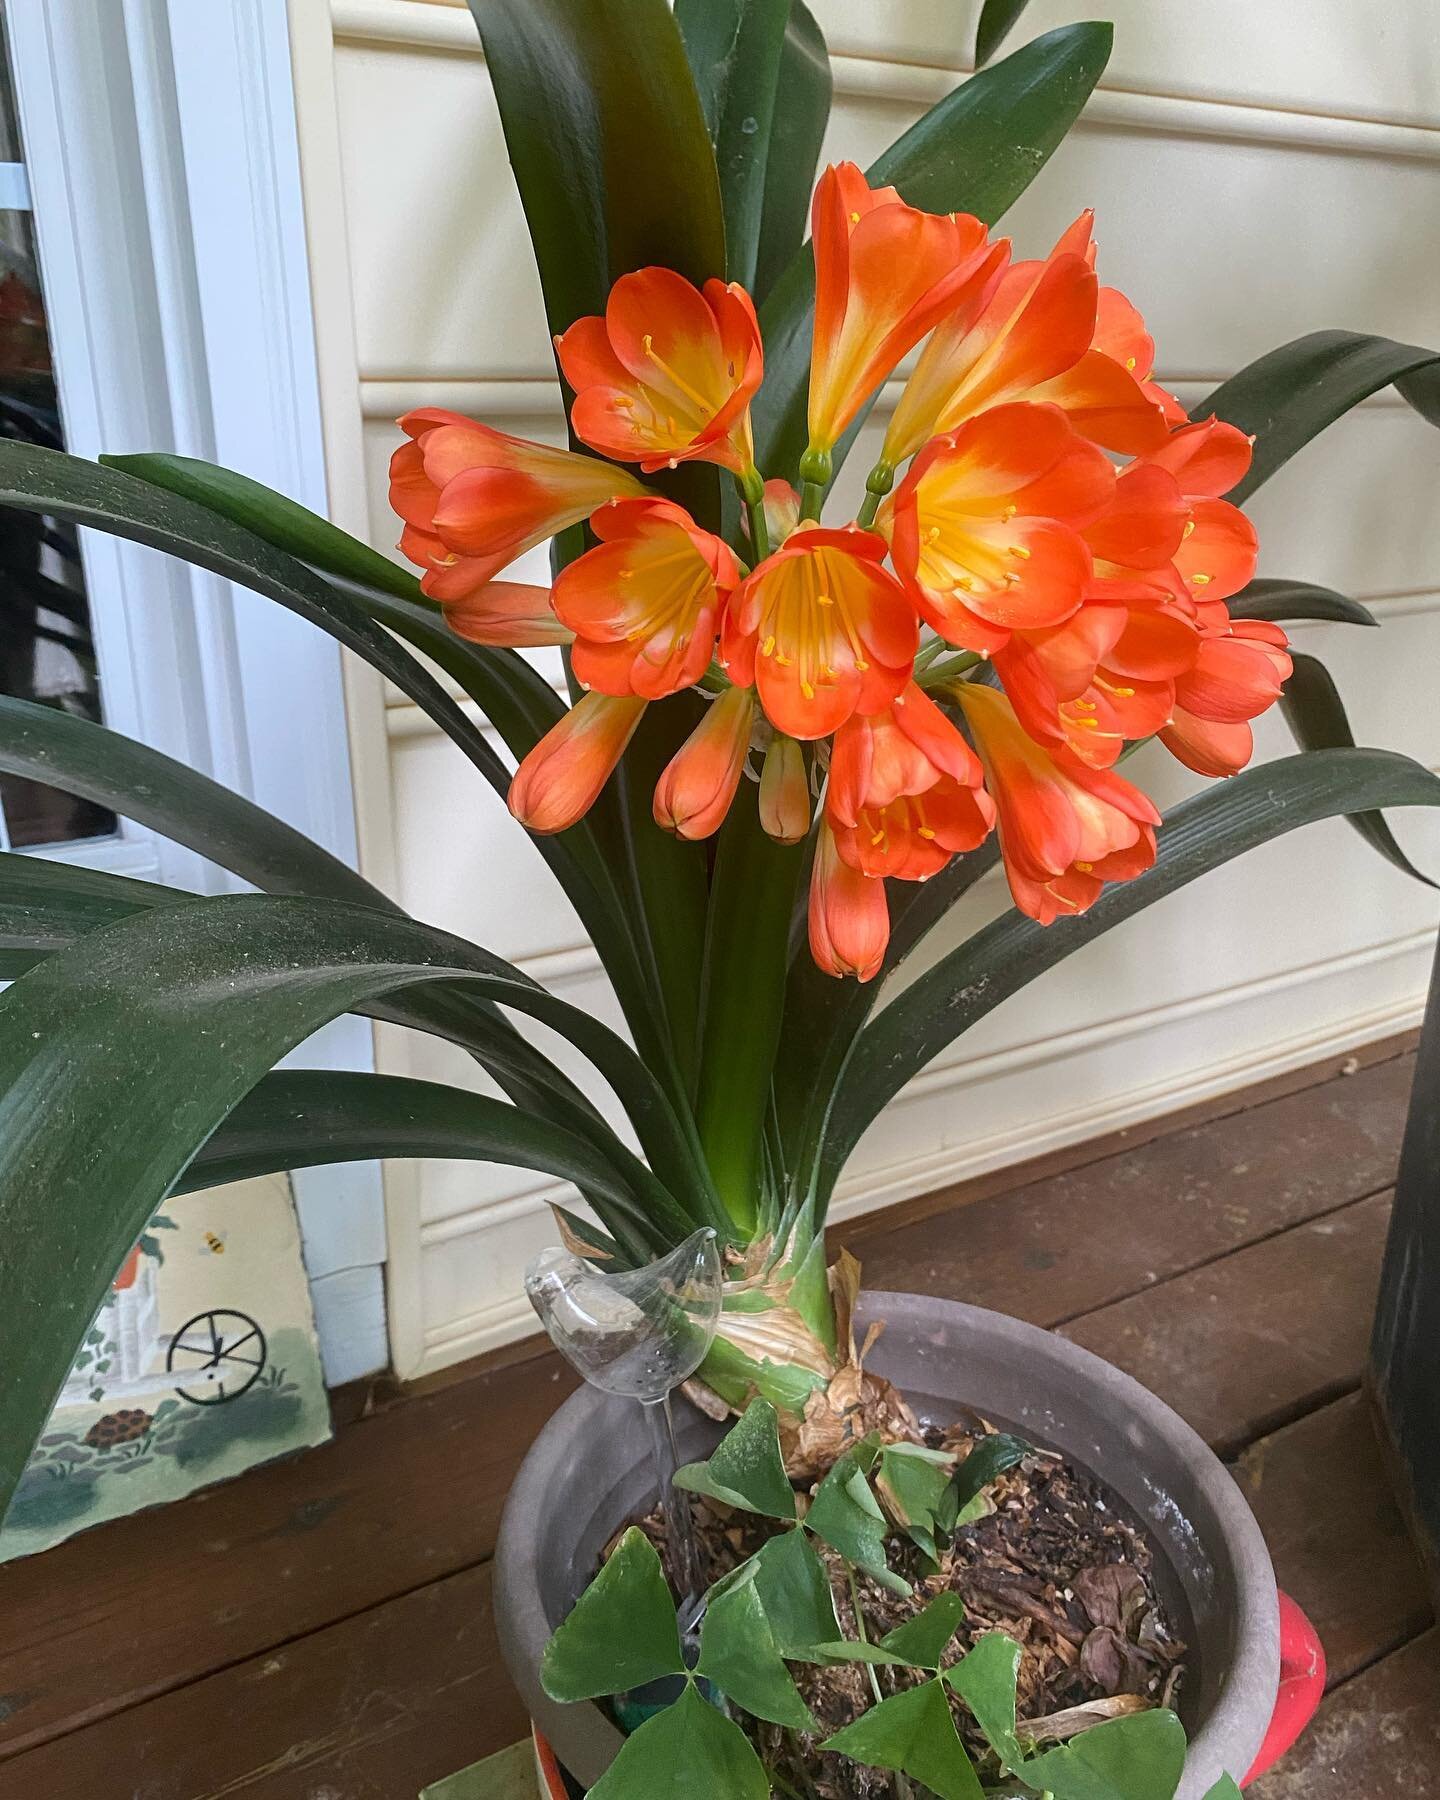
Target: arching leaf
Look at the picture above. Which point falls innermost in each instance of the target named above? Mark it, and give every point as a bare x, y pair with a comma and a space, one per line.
1285, 398
1199, 835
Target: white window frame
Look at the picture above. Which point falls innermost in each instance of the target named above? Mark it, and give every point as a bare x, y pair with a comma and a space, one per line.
160, 143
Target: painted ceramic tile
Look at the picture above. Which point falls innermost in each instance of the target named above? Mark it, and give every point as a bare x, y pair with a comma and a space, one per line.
201, 1363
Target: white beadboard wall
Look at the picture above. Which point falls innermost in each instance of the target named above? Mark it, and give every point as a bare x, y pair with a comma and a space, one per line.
1258, 171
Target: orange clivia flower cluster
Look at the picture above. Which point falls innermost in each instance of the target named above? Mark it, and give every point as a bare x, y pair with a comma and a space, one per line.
1038, 576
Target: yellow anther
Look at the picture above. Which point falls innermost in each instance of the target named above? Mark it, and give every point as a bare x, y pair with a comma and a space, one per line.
807, 690
1085, 868
1201, 580
854, 218
823, 600
878, 837
861, 666
1020, 551
648, 344
1087, 724
1129, 362
768, 647
967, 582
1189, 527
784, 662
926, 832
1009, 513
932, 534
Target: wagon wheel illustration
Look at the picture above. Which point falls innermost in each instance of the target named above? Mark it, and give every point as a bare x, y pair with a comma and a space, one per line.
218, 1355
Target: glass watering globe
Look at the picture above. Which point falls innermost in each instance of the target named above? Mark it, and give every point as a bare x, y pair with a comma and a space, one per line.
640, 1333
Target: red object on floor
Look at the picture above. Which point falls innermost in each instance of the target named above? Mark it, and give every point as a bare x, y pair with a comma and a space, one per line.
552, 1782
1302, 1686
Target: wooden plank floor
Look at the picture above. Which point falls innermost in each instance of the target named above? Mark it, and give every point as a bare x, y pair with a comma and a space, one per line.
321, 1629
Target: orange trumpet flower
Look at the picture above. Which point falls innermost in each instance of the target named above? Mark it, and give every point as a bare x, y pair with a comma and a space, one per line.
1065, 828
645, 603
984, 527
849, 914
885, 273
667, 375
694, 792
508, 614
561, 778
906, 791
1037, 337
1239, 672
474, 499
822, 630
785, 810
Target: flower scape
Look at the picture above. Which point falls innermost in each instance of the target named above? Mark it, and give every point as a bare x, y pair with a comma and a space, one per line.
1035, 582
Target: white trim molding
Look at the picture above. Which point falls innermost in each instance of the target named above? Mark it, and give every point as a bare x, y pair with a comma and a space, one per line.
161, 143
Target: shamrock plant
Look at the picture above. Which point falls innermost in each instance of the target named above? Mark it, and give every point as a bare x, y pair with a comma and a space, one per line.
777, 1612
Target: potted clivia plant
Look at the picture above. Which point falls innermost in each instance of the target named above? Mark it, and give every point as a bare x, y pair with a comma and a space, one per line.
800, 731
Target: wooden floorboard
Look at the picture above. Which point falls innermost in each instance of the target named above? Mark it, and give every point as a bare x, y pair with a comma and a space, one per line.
1375, 1738
402, 1498
320, 1630
1320, 1492
1062, 1246
373, 1708
1244, 1345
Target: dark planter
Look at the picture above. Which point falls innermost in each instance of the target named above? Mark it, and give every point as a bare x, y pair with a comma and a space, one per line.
589, 1471
1405, 1350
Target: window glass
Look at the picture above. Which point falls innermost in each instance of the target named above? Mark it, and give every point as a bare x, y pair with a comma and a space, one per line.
47, 651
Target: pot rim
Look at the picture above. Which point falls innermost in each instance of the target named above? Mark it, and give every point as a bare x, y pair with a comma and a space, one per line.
1232, 1731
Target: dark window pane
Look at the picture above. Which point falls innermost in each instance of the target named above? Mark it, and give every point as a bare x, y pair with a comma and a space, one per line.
47, 652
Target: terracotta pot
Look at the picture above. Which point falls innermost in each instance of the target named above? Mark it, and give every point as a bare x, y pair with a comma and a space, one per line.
589, 1471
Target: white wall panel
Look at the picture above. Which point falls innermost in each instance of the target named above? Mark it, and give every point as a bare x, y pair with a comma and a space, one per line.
1258, 171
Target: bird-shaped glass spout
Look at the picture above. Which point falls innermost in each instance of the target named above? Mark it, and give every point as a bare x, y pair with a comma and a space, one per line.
640, 1333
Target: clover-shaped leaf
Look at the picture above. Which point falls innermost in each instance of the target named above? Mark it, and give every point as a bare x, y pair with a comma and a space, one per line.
847, 1515
914, 1483
739, 1654
621, 1632
913, 1732
747, 1469
985, 1679
1140, 1757
922, 1640
990, 1458
687, 1750
795, 1592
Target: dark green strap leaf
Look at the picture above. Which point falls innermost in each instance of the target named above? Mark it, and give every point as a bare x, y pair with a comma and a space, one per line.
997, 20
45, 905
1316, 714
300, 1118
744, 998
275, 517
976, 151
607, 141
1280, 600
1199, 835
67, 487
44, 744
141, 1039
735, 49
823, 1016
797, 133
1284, 399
